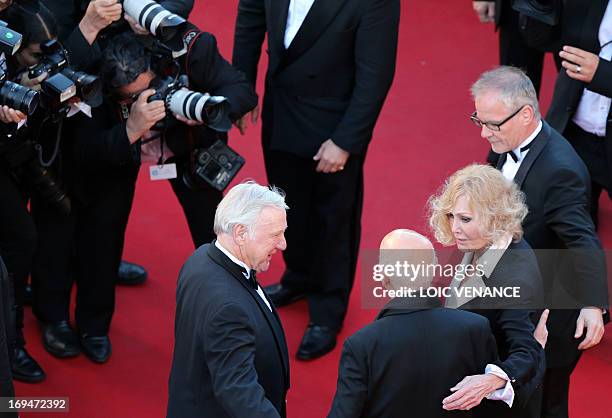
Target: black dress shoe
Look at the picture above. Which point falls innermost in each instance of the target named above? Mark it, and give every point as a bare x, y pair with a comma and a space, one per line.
131, 274
282, 295
25, 368
97, 349
60, 340
317, 341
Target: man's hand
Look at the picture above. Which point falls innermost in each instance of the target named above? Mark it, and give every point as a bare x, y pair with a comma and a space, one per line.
471, 391
331, 157
144, 115
32, 83
592, 320
485, 10
241, 123
99, 14
8, 115
541, 332
136, 28
579, 64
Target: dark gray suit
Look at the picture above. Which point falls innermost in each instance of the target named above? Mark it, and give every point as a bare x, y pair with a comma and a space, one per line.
230, 355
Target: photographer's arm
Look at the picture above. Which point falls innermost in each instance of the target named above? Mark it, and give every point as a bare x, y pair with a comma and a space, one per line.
210, 72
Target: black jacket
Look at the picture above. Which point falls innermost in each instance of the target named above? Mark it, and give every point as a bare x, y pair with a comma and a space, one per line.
7, 327
557, 188
332, 80
580, 29
513, 323
404, 364
230, 355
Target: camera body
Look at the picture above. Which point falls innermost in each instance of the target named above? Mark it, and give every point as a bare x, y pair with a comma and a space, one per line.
215, 166
63, 82
213, 111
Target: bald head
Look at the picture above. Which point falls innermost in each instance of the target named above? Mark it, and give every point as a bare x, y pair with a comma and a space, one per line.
406, 246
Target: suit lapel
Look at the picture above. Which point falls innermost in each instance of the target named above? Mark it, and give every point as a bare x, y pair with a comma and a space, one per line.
271, 317
318, 18
539, 143
278, 14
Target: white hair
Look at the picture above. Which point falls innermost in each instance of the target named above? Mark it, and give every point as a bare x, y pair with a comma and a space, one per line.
513, 86
243, 204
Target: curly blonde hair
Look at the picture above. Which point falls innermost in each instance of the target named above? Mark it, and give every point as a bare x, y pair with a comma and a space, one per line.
496, 201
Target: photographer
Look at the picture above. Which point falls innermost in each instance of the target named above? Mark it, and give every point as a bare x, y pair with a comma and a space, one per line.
17, 231
84, 28
108, 150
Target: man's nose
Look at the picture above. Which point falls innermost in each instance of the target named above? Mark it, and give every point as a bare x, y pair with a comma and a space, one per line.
282, 245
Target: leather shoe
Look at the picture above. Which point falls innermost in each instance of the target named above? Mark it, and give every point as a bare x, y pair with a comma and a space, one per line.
317, 341
25, 368
97, 349
282, 295
60, 340
131, 274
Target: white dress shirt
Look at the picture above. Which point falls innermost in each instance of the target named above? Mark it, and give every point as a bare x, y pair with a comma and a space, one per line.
511, 167
593, 109
298, 9
247, 274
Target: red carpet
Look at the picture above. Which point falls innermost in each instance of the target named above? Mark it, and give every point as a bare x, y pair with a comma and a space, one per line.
422, 136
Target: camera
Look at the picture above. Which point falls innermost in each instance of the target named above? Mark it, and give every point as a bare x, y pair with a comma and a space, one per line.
63, 82
161, 23
216, 166
213, 111
10, 41
17, 96
12, 94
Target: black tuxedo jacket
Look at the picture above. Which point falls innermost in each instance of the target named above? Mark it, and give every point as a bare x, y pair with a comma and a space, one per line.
557, 188
405, 363
580, 29
513, 323
230, 355
332, 80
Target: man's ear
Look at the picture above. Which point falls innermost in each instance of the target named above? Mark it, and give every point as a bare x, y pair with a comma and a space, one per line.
527, 114
239, 234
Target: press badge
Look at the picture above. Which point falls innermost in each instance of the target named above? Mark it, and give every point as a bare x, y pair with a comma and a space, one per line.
162, 172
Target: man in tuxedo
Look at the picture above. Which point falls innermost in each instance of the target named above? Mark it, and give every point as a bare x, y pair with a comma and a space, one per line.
580, 108
406, 362
230, 355
557, 188
331, 64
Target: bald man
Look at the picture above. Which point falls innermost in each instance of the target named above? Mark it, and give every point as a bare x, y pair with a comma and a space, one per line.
406, 361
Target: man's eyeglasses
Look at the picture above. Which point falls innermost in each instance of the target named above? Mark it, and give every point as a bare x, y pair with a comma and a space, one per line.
493, 126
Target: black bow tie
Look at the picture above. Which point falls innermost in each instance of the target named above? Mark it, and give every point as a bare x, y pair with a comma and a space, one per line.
252, 279
515, 157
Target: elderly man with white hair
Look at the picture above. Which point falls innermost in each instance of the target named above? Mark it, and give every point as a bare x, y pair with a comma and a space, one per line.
405, 362
230, 354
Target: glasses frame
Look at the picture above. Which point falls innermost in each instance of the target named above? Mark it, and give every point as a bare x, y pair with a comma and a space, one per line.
493, 126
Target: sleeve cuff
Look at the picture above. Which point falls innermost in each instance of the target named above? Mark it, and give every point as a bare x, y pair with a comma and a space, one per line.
506, 393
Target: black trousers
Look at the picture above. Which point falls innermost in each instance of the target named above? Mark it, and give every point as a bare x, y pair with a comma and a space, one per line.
17, 242
596, 152
514, 51
86, 247
556, 391
324, 220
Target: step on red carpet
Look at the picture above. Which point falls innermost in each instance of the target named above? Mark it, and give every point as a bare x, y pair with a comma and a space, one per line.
422, 136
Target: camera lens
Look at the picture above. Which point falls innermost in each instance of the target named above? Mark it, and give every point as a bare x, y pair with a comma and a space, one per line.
19, 97
155, 18
212, 110
89, 87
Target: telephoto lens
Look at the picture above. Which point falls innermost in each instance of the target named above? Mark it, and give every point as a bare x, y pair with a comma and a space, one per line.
19, 97
155, 18
213, 111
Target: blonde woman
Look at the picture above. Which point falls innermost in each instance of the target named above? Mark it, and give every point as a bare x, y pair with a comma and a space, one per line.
480, 212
